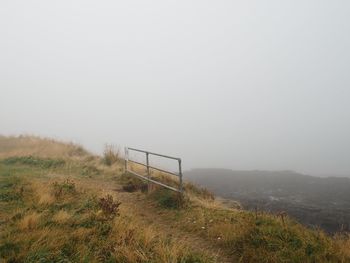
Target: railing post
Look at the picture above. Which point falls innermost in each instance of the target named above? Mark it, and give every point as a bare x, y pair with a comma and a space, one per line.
126, 157
180, 175
148, 171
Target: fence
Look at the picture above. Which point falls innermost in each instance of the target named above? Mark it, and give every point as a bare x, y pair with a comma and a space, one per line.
149, 167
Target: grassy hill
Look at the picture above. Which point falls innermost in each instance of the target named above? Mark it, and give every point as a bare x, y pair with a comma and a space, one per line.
58, 203
314, 201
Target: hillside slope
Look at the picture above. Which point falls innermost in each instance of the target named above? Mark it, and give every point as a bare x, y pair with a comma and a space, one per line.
72, 209
314, 201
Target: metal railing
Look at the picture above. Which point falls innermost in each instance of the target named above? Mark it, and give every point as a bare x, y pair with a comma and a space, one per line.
149, 167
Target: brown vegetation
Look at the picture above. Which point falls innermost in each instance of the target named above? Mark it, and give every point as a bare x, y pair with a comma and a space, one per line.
47, 217
37, 146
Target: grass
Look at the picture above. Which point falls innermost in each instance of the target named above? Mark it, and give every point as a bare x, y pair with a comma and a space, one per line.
250, 237
132, 183
262, 239
167, 198
34, 161
62, 217
57, 220
40, 147
53, 209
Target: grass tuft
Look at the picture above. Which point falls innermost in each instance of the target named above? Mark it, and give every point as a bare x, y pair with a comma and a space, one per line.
30, 221
62, 217
111, 155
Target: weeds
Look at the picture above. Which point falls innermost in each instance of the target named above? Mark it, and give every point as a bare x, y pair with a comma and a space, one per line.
109, 207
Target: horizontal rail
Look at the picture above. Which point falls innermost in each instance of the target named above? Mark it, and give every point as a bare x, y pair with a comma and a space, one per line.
149, 167
155, 182
155, 168
156, 154
137, 163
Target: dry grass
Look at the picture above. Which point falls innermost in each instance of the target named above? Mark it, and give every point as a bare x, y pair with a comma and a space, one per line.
62, 217
127, 235
43, 193
30, 221
36, 146
111, 155
46, 199
69, 227
342, 243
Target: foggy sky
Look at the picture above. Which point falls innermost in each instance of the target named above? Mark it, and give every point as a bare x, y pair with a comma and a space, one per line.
232, 84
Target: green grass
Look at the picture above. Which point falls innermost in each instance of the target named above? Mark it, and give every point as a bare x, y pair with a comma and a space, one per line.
74, 227
45, 217
261, 239
44, 163
168, 199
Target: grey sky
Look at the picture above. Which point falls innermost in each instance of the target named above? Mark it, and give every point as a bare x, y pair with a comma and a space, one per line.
233, 84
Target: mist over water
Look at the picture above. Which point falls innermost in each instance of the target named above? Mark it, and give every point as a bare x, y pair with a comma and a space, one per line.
231, 84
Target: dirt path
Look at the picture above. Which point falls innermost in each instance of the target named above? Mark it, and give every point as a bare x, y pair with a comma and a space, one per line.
151, 215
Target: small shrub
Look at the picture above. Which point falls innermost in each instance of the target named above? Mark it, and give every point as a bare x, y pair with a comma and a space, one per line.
110, 155
109, 207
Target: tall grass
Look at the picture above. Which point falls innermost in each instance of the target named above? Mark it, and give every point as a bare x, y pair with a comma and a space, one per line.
111, 155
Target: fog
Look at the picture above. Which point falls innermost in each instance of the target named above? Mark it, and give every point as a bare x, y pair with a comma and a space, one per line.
232, 84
